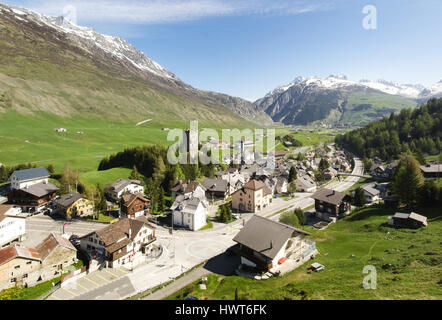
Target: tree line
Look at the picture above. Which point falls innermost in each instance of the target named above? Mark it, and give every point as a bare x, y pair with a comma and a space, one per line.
417, 131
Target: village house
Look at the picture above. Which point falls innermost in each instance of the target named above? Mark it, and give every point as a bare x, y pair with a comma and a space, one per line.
190, 212
372, 194
25, 178
235, 179
378, 171
134, 205
252, 197
407, 220
33, 198
216, 188
23, 266
122, 186
305, 184
12, 226
331, 204
186, 188
280, 154
74, 205
120, 243
265, 244
330, 173
431, 170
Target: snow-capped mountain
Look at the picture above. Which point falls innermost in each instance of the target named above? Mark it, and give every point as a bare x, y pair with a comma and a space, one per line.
340, 81
87, 37
87, 72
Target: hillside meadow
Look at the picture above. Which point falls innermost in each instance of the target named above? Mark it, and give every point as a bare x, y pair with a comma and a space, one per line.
407, 261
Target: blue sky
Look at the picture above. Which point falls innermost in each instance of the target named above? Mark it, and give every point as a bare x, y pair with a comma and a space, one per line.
246, 48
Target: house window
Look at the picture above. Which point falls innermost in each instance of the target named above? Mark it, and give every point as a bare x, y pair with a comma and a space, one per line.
17, 267
13, 280
25, 275
29, 262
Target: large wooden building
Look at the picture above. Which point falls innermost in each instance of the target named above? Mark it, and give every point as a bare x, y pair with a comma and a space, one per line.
33, 198
331, 203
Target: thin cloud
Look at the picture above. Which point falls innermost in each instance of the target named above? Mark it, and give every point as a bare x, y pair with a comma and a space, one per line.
163, 11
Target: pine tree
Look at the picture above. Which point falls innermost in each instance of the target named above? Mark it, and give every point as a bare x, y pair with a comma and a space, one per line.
407, 181
359, 198
134, 174
292, 174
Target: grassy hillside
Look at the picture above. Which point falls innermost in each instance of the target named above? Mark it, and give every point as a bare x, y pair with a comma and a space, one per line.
42, 70
345, 248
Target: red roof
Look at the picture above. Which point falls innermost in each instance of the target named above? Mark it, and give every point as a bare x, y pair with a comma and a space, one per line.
14, 251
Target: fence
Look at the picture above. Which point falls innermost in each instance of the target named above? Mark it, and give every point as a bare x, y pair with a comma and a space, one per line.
77, 274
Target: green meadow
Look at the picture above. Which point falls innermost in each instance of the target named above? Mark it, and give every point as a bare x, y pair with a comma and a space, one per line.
32, 138
407, 263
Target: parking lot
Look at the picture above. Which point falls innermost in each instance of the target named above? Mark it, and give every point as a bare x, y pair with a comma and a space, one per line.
89, 283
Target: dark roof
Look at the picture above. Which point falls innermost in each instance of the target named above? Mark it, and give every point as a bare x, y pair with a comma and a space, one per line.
50, 243
329, 196
40, 189
128, 198
216, 185
30, 174
69, 199
266, 236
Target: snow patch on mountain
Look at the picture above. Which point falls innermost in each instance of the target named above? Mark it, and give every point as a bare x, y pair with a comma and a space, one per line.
340, 81
115, 46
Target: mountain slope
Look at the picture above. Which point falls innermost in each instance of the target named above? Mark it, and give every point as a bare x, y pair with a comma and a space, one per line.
48, 64
337, 100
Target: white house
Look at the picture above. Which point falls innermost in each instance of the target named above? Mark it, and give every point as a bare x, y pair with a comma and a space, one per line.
190, 212
122, 186
372, 194
21, 179
12, 226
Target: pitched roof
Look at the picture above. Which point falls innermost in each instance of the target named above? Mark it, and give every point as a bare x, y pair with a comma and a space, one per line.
413, 216
186, 186
50, 243
371, 190
254, 185
119, 230
40, 189
329, 196
128, 198
5, 208
69, 199
431, 168
15, 251
120, 184
266, 236
306, 181
30, 174
216, 185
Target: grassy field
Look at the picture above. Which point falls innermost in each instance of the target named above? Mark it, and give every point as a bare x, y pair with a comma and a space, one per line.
104, 177
31, 293
31, 138
345, 248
